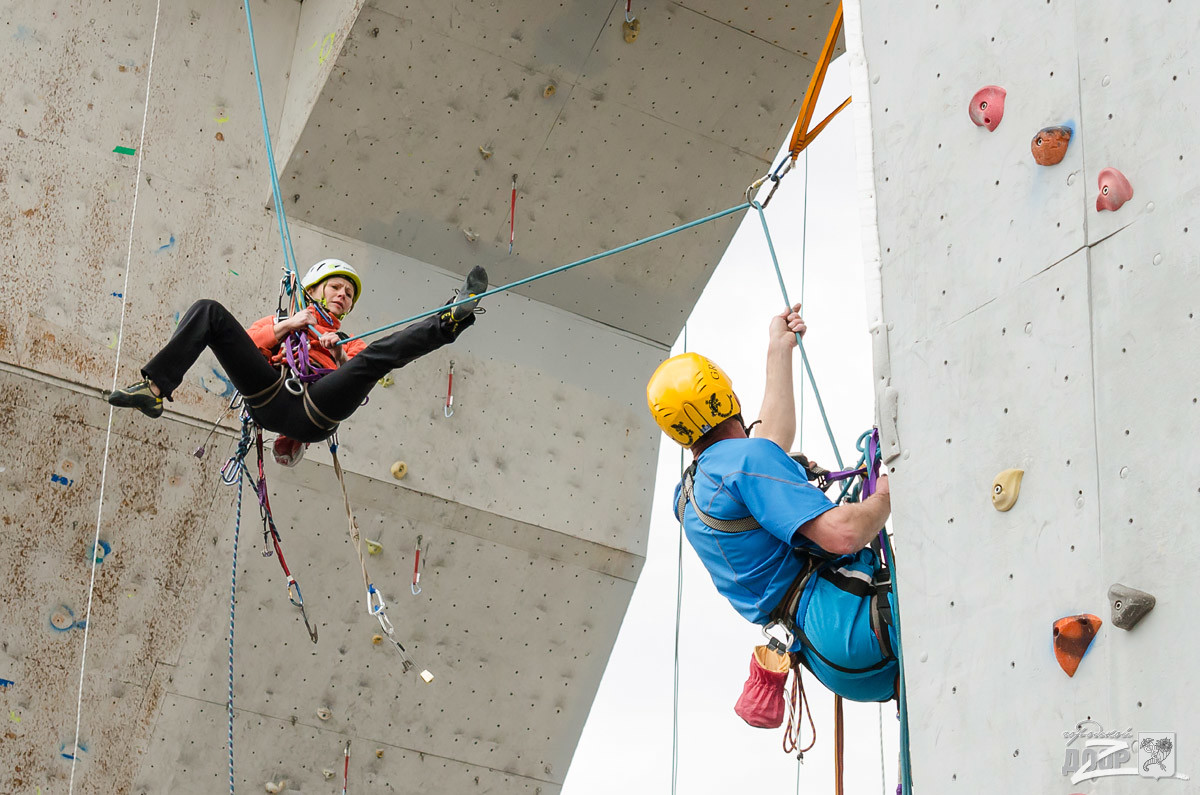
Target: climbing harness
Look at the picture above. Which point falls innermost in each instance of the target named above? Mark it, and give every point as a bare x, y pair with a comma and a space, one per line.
137, 183
376, 605
416, 581
781, 630
448, 409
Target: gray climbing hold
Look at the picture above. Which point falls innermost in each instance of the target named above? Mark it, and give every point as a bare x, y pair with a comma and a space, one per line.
1129, 605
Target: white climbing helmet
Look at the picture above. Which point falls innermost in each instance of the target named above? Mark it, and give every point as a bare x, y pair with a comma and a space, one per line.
328, 268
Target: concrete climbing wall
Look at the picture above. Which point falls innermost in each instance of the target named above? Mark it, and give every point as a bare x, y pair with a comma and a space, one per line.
531, 501
1019, 326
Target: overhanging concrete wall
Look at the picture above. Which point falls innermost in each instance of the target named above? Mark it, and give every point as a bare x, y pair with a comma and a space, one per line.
504, 493
1018, 326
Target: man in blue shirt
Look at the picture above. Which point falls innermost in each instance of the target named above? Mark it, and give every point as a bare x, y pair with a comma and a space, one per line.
759, 526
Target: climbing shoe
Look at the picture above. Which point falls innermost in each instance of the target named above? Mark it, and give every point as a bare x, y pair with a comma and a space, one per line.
138, 396
475, 284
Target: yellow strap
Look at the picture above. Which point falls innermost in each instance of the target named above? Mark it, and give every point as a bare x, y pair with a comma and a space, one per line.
801, 136
319, 420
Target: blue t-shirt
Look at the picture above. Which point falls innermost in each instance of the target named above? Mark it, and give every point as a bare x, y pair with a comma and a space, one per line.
736, 478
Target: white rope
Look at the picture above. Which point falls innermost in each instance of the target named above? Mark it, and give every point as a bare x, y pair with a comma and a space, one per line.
87, 622
678, 613
882, 763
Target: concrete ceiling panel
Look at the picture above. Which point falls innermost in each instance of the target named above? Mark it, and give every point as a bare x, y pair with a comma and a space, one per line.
799, 27
699, 74
974, 200
441, 120
553, 40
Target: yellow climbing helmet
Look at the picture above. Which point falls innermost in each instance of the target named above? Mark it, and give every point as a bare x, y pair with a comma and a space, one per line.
327, 269
689, 396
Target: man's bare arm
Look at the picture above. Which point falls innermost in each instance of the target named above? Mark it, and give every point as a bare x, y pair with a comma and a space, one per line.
848, 528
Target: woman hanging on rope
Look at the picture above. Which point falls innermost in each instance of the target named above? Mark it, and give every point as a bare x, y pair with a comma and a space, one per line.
306, 405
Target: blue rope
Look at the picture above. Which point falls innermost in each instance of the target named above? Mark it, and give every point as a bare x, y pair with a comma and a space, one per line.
553, 271
905, 754
285, 235
235, 471
803, 355
232, 608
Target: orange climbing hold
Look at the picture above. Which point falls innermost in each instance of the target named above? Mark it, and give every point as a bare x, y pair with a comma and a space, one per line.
1072, 637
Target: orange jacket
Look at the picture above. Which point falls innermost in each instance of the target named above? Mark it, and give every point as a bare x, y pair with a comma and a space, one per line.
263, 334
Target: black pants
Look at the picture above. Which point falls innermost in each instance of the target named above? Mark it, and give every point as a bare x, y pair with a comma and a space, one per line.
337, 395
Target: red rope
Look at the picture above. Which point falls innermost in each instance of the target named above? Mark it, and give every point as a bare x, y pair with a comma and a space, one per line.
796, 703
512, 215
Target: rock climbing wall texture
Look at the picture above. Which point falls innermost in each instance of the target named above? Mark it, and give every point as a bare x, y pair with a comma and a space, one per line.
1041, 318
398, 127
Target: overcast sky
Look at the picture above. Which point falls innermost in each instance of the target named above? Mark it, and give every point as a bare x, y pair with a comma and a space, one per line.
626, 745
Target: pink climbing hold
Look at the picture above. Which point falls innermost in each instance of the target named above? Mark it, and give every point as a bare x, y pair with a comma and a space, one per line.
987, 107
1115, 190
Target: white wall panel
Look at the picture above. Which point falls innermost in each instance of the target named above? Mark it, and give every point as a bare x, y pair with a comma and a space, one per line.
1027, 329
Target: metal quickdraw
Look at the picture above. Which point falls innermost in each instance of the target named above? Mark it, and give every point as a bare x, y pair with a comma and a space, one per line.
235, 403
512, 216
416, 581
375, 603
377, 608
775, 176
271, 532
346, 770
449, 408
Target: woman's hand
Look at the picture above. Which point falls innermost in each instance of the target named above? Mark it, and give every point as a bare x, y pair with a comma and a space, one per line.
297, 322
329, 341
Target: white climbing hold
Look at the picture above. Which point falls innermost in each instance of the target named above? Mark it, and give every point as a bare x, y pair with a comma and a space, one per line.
327, 773
399, 470
428, 677
324, 713
272, 787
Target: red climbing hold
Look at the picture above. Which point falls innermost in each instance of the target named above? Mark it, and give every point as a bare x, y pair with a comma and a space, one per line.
1072, 637
987, 107
1115, 190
